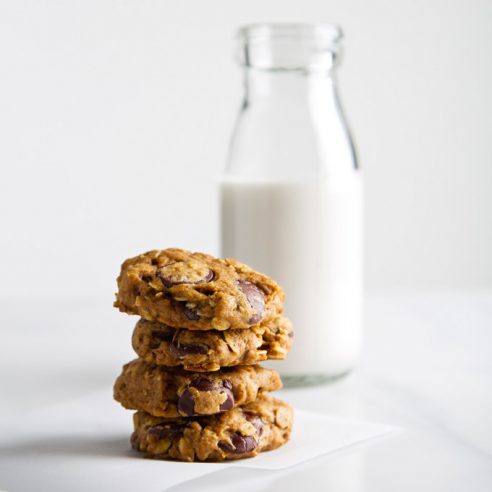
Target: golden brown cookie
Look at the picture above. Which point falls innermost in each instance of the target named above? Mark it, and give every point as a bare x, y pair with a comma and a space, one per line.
242, 432
196, 291
210, 350
171, 392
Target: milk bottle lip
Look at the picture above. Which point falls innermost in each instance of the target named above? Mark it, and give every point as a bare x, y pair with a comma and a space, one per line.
305, 48
265, 31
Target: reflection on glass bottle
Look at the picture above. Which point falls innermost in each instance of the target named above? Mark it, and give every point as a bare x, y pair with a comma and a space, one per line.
292, 193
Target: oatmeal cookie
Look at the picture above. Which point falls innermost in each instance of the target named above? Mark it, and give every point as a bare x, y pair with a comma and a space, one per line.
196, 291
242, 432
174, 392
210, 350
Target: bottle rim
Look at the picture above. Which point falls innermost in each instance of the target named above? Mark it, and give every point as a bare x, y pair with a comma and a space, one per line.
283, 47
322, 32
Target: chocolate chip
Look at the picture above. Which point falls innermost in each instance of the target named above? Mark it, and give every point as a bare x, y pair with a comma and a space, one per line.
255, 297
180, 350
167, 431
228, 403
291, 334
189, 274
240, 444
190, 314
202, 384
165, 336
255, 420
186, 403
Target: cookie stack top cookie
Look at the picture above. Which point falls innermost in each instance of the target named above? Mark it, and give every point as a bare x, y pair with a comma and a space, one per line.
196, 291
205, 324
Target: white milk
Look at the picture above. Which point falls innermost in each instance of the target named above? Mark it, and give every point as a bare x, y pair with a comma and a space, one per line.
308, 237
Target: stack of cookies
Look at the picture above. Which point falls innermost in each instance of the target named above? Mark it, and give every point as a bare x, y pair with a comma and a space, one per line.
205, 324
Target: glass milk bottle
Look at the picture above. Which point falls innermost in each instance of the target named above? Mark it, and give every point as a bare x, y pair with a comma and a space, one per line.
291, 195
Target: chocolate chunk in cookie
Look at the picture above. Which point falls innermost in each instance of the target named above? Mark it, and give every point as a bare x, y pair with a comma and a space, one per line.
185, 272
186, 402
256, 299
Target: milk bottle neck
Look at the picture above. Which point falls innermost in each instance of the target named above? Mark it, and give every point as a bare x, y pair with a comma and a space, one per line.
286, 87
288, 62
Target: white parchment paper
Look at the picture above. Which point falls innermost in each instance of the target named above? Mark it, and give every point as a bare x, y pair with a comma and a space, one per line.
84, 445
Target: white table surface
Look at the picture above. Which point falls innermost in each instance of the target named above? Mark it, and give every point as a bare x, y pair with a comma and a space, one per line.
427, 367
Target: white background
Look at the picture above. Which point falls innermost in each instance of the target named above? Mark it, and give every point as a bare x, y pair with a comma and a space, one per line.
115, 117
114, 122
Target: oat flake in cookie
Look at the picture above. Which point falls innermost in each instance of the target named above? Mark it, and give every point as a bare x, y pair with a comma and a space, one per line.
196, 291
243, 432
210, 350
169, 392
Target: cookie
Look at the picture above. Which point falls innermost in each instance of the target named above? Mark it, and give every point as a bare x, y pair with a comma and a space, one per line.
196, 291
210, 350
243, 432
171, 392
